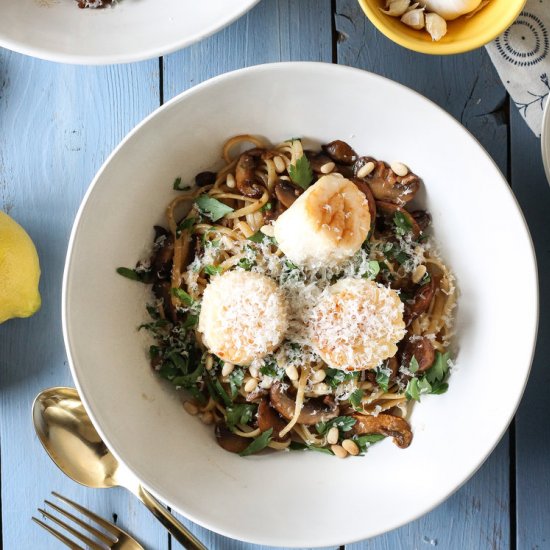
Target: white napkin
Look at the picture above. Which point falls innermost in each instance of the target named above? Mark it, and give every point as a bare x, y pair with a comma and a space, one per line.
522, 58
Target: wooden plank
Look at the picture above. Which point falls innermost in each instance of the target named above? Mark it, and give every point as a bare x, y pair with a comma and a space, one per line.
57, 125
532, 432
275, 30
466, 86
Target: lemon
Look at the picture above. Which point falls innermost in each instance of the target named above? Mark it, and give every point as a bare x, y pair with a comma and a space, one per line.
19, 271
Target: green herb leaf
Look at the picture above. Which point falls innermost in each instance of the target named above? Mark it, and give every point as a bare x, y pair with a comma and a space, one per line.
188, 380
365, 441
183, 297
301, 173
413, 365
191, 321
383, 377
373, 270
439, 370
178, 187
355, 399
439, 387
295, 446
266, 206
212, 208
186, 225
259, 443
132, 274
272, 369
246, 264
343, 423
335, 377
412, 391
402, 223
218, 390
213, 269
239, 414
236, 381
257, 237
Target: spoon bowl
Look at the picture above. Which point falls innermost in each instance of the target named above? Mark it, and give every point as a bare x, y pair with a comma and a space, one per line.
70, 439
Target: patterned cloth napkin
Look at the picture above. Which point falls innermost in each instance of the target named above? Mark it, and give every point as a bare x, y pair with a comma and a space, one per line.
522, 58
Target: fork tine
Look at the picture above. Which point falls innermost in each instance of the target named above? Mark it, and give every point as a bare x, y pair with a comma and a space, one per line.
98, 534
92, 544
108, 526
58, 535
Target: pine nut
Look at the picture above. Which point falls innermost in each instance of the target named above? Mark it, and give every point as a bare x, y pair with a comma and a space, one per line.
230, 181
267, 230
292, 372
418, 274
254, 371
227, 369
399, 168
285, 178
339, 451
251, 385
191, 408
338, 175
207, 417
209, 363
365, 170
350, 446
280, 165
319, 376
321, 389
328, 168
332, 436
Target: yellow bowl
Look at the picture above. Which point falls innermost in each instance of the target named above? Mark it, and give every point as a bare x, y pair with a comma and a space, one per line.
463, 34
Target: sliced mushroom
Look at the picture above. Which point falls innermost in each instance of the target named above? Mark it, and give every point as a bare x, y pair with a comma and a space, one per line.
387, 186
286, 192
163, 291
317, 160
389, 209
245, 177
268, 418
339, 151
365, 189
421, 301
203, 179
229, 441
422, 218
161, 260
384, 424
314, 410
422, 350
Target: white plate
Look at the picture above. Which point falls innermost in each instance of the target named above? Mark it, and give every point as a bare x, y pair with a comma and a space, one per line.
132, 30
301, 499
545, 139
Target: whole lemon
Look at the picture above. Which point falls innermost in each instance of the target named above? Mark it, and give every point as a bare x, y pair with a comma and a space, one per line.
19, 271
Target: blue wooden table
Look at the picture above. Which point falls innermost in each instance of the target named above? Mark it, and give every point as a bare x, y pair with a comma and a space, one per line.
57, 125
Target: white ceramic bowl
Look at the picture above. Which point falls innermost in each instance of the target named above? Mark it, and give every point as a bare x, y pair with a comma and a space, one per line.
301, 499
132, 30
545, 140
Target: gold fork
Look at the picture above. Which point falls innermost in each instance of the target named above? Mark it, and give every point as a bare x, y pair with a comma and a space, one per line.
116, 538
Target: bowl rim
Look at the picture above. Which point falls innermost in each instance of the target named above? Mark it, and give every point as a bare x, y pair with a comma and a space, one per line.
287, 542
545, 140
119, 58
432, 48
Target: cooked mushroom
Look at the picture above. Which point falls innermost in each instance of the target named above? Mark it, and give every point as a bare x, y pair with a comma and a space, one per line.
387, 186
422, 350
422, 218
286, 192
365, 189
317, 160
384, 424
205, 178
268, 418
421, 300
389, 209
229, 441
313, 411
163, 291
161, 260
339, 151
245, 177
391, 363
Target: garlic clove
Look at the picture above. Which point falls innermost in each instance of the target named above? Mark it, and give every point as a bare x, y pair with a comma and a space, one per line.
414, 19
396, 8
479, 8
413, 6
451, 9
436, 26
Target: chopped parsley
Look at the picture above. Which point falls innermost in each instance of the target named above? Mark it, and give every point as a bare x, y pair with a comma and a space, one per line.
356, 398
295, 446
186, 225
246, 264
257, 237
241, 413
335, 377
373, 269
212, 208
343, 423
402, 224
258, 444
134, 274
184, 297
272, 369
301, 173
383, 377
236, 381
413, 365
213, 269
365, 441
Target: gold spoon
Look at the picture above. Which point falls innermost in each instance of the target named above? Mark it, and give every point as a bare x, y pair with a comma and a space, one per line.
69, 437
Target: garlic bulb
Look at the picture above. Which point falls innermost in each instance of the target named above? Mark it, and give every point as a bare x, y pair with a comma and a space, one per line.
414, 19
396, 8
451, 9
436, 26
